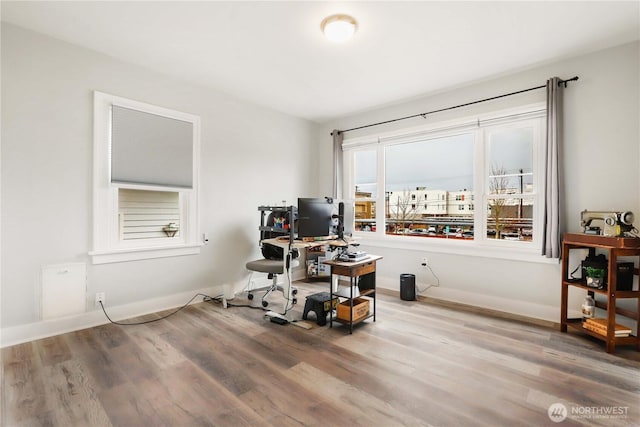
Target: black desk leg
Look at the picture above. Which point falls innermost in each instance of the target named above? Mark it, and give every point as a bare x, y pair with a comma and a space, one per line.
331, 300
351, 305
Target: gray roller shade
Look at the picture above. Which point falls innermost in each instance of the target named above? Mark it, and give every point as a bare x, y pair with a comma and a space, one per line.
150, 149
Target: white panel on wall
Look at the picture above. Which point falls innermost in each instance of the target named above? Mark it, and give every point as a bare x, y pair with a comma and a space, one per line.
63, 290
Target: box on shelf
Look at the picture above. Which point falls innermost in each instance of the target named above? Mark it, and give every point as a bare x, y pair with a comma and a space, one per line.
322, 270
360, 309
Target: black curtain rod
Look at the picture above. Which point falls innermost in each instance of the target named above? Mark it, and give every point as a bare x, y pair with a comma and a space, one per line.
424, 115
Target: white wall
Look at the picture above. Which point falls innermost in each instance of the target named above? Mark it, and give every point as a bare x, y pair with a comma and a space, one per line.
47, 113
601, 159
47, 173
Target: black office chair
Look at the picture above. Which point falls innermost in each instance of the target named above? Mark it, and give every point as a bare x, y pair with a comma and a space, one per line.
273, 265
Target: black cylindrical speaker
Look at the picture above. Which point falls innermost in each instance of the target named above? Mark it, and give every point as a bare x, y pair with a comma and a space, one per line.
408, 287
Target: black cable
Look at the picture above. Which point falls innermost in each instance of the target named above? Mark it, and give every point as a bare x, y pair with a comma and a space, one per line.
286, 297
430, 286
574, 271
206, 298
246, 306
219, 301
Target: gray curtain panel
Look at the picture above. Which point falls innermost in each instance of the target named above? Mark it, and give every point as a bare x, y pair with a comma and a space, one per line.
338, 137
552, 209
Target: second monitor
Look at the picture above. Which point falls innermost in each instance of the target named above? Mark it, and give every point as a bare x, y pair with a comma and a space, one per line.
346, 219
322, 217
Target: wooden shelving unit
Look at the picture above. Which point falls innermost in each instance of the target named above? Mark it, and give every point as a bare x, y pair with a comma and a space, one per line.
616, 247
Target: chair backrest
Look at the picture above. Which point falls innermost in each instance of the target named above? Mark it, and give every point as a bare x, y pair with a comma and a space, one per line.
272, 252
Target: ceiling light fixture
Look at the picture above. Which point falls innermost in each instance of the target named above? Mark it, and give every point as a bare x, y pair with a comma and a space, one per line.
339, 28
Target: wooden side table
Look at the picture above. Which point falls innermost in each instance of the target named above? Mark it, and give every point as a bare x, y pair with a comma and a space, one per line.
360, 273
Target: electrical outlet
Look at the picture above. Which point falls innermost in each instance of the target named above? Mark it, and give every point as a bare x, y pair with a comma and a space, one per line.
100, 298
425, 262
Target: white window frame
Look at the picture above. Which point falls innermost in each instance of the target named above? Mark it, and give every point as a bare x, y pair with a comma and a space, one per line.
479, 124
107, 245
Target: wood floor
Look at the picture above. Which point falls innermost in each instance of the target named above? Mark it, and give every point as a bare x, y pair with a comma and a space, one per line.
419, 364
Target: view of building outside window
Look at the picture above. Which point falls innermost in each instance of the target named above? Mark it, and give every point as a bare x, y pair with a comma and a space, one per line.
510, 183
429, 186
366, 189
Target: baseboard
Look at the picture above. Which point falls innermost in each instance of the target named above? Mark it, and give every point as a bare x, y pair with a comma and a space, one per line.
298, 274
33, 331
480, 303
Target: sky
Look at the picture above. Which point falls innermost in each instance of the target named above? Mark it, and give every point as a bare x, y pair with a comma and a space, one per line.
446, 163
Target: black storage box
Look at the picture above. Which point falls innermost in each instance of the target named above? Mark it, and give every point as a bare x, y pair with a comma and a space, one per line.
624, 278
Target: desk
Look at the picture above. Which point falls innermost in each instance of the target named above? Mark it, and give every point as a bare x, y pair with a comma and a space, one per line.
287, 248
365, 271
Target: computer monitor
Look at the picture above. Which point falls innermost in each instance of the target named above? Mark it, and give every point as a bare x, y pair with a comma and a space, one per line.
315, 217
346, 218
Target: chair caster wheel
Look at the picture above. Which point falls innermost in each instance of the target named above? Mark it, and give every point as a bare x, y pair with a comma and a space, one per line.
294, 301
294, 291
265, 303
250, 296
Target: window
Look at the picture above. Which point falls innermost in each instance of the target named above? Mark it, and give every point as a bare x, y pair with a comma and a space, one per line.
451, 166
509, 180
366, 189
145, 181
144, 214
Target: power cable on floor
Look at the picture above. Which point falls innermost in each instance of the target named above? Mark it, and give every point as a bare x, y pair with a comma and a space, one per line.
205, 298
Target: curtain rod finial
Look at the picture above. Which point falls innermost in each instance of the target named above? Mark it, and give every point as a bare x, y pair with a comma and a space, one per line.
565, 82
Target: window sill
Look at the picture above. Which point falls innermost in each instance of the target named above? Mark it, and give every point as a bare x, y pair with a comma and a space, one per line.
135, 254
513, 252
